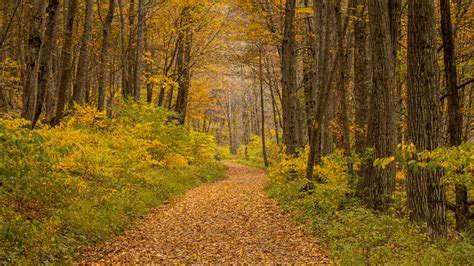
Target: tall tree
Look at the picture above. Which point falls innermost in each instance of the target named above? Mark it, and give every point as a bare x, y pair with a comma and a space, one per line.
66, 62
289, 85
262, 109
380, 137
394, 13
123, 53
83, 65
139, 49
130, 65
362, 85
47, 48
362, 78
103, 54
454, 110
32, 57
321, 82
343, 117
183, 62
426, 194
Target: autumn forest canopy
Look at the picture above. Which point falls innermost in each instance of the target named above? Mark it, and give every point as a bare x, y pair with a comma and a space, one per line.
360, 112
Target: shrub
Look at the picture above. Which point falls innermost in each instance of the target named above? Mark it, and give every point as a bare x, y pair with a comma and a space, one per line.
83, 181
354, 234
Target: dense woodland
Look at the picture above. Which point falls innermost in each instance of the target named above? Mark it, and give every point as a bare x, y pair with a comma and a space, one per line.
360, 110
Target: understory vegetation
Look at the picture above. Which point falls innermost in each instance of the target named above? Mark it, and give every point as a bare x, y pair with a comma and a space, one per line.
354, 234
83, 181
361, 110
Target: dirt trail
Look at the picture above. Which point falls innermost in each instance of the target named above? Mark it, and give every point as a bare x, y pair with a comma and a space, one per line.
230, 221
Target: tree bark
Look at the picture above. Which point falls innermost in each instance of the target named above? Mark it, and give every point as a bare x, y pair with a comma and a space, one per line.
381, 135
83, 65
454, 110
138, 51
276, 115
130, 49
394, 13
362, 78
289, 86
183, 64
344, 120
66, 63
103, 54
262, 108
425, 195
322, 80
44, 70
123, 54
35, 40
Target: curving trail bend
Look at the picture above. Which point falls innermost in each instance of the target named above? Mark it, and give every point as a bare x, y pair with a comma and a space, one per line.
230, 221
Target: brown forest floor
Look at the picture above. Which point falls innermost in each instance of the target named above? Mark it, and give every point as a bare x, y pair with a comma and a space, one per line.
230, 221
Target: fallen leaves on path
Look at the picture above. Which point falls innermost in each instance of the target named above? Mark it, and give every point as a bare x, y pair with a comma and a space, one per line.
231, 221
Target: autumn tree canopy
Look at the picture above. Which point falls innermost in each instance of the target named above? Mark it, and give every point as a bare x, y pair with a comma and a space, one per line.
362, 108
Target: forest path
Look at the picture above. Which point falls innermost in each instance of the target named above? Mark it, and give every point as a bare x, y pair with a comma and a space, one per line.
230, 221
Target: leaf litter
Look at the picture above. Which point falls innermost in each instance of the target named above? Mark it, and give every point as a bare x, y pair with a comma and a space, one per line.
230, 221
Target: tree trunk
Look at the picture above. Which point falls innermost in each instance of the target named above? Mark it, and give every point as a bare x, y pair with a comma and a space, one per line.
83, 65
138, 51
123, 54
4, 33
343, 118
276, 115
66, 63
262, 108
327, 137
426, 195
381, 135
170, 98
289, 86
32, 58
130, 49
454, 110
148, 74
308, 75
321, 81
362, 87
394, 13
44, 70
184, 61
361, 75
103, 54
246, 130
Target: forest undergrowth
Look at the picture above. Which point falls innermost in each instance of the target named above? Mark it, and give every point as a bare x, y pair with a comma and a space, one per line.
84, 181
352, 233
